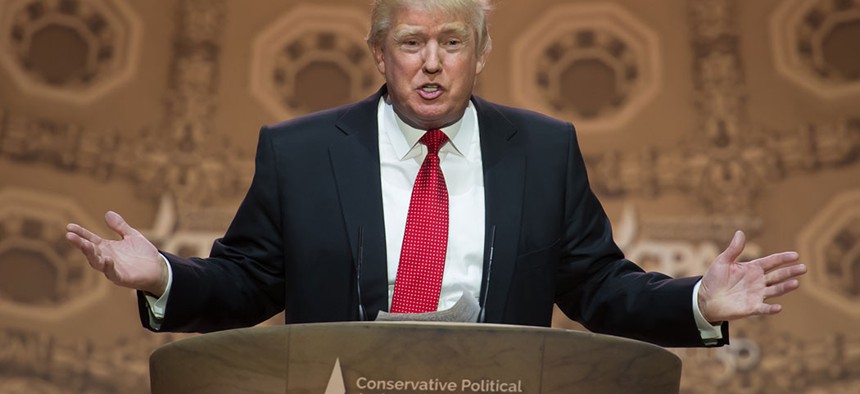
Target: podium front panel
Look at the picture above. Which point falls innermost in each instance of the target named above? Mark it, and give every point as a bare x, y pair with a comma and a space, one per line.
415, 358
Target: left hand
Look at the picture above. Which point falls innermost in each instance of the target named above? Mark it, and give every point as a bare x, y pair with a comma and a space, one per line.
733, 290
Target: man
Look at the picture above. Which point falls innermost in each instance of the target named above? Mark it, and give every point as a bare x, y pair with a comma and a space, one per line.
423, 194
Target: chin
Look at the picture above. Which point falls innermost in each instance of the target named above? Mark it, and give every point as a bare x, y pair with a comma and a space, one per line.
439, 118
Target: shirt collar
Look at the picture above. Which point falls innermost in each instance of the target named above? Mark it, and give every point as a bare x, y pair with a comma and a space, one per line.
404, 138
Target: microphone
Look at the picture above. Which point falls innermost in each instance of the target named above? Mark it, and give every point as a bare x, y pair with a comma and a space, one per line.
482, 318
361, 314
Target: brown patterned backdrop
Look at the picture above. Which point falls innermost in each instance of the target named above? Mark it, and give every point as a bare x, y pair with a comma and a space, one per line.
697, 117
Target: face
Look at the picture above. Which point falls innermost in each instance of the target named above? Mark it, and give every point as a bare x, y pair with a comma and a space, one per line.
430, 63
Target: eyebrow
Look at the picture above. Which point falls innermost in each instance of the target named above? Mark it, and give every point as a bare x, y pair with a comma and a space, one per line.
457, 28
405, 31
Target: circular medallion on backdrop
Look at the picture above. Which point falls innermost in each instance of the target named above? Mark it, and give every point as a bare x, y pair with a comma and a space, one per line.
816, 45
594, 64
313, 58
69, 50
832, 242
42, 276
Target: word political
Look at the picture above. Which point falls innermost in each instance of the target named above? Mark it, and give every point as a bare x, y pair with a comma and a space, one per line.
436, 385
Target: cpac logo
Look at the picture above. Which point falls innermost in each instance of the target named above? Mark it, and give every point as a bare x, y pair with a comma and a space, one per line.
335, 382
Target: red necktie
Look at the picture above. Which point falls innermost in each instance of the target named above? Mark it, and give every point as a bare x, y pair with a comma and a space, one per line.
422, 259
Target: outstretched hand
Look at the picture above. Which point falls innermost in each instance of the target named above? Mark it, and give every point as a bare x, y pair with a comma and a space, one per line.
733, 290
131, 262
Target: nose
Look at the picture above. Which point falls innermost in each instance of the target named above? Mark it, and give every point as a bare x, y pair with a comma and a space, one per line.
432, 58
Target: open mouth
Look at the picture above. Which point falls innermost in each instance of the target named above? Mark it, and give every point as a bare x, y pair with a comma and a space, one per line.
430, 91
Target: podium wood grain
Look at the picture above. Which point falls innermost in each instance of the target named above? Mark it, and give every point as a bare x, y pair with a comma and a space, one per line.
474, 358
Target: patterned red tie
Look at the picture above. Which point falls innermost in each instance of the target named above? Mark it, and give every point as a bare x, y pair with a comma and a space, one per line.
422, 259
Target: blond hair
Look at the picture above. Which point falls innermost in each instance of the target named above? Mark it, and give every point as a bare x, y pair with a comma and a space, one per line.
476, 12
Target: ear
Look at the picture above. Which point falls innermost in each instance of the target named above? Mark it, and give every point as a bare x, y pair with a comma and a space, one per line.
378, 57
482, 60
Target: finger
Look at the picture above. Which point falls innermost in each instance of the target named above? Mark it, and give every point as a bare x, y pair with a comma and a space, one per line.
83, 233
775, 260
735, 248
781, 289
768, 309
89, 250
784, 273
118, 224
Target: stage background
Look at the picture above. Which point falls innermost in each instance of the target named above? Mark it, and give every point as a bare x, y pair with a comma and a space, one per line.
697, 117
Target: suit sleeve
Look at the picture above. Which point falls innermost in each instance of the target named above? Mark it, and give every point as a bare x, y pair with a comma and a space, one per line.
604, 291
242, 282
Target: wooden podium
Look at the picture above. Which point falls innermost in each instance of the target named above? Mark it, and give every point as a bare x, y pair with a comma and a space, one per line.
377, 358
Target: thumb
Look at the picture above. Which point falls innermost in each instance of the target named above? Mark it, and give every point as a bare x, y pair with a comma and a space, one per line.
735, 248
118, 224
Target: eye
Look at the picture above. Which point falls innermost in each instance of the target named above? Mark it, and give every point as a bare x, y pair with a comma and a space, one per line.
452, 43
410, 44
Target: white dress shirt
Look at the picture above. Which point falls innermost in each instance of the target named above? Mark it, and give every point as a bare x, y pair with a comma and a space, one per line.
400, 158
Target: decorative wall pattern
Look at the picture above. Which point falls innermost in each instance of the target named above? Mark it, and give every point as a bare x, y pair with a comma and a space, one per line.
814, 43
760, 362
597, 64
144, 159
178, 156
70, 50
597, 47
833, 240
42, 277
32, 362
309, 47
680, 246
732, 153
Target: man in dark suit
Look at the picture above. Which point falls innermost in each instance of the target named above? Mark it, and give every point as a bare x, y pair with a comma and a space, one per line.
328, 231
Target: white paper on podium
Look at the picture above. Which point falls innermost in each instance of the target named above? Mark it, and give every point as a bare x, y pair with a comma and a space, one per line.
466, 310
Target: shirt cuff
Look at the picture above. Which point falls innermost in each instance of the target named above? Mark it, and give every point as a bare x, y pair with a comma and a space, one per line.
157, 306
711, 334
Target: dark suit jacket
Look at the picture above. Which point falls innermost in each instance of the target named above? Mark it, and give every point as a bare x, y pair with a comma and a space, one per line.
295, 238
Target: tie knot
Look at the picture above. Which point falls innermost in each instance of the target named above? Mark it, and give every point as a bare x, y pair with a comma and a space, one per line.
433, 139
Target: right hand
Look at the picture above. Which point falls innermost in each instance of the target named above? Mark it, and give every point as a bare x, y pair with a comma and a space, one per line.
131, 262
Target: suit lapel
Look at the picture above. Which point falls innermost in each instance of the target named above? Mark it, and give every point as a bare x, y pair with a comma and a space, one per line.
355, 161
504, 172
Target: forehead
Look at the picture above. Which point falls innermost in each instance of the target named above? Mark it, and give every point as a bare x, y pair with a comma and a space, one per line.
427, 20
